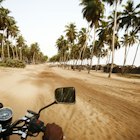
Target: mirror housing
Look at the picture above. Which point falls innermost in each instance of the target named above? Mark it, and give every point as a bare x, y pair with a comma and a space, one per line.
65, 95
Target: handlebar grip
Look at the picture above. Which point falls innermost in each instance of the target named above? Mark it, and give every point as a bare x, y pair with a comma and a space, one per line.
43, 128
36, 126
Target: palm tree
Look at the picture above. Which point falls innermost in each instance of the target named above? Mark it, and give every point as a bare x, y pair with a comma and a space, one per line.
1, 1
93, 12
128, 40
82, 40
111, 2
137, 30
129, 15
75, 53
125, 42
20, 45
136, 53
105, 33
87, 53
99, 51
130, 19
13, 52
34, 51
12, 31
133, 37
3, 26
62, 45
71, 34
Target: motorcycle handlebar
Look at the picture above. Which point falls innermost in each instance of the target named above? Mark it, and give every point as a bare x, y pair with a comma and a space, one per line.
29, 127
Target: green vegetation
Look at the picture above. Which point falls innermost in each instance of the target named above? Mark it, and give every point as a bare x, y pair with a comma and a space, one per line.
14, 63
14, 52
80, 45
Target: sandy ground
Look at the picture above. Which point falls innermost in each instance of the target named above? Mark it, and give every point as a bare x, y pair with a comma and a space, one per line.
105, 109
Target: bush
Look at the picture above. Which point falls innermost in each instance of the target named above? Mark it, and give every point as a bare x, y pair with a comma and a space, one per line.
107, 67
136, 70
117, 69
133, 70
2, 64
13, 63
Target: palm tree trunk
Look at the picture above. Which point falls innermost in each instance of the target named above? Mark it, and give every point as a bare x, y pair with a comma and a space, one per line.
108, 58
127, 51
16, 52
76, 62
20, 53
64, 60
13, 52
136, 53
125, 58
81, 58
125, 54
92, 51
81, 55
33, 58
2, 45
113, 38
8, 51
98, 63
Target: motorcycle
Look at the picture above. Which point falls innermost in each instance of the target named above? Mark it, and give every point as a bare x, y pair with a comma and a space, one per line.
30, 125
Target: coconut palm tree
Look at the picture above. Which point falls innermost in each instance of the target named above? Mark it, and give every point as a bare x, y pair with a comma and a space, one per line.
93, 11
62, 45
87, 53
130, 19
1, 1
128, 41
20, 45
71, 32
105, 33
133, 38
137, 30
4, 13
136, 53
111, 2
82, 40
12, 31
34, 51
75, 53
125, 42
99, 51
71, 35
129, 15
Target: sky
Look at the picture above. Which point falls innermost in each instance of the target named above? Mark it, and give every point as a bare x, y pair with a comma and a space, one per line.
44, 22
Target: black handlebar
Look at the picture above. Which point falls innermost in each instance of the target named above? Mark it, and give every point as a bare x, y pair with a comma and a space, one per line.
29, 125
24, 127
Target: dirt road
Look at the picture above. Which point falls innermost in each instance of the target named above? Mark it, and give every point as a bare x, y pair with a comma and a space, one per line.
106, 109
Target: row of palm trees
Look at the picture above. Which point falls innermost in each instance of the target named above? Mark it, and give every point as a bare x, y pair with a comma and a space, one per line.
13, 44
106, 32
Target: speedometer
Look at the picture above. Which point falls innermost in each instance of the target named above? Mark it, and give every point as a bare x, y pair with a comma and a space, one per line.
5, 114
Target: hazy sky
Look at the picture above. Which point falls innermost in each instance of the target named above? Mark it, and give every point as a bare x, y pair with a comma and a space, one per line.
44, 21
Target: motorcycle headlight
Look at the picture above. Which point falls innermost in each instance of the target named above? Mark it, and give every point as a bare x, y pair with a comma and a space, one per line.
5, 116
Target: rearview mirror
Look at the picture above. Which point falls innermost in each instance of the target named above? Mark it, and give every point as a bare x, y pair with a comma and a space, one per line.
65, 95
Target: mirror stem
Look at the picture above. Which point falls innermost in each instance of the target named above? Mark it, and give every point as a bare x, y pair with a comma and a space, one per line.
47, 107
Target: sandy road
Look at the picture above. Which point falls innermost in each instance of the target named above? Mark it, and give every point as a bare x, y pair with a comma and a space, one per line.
105, 109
